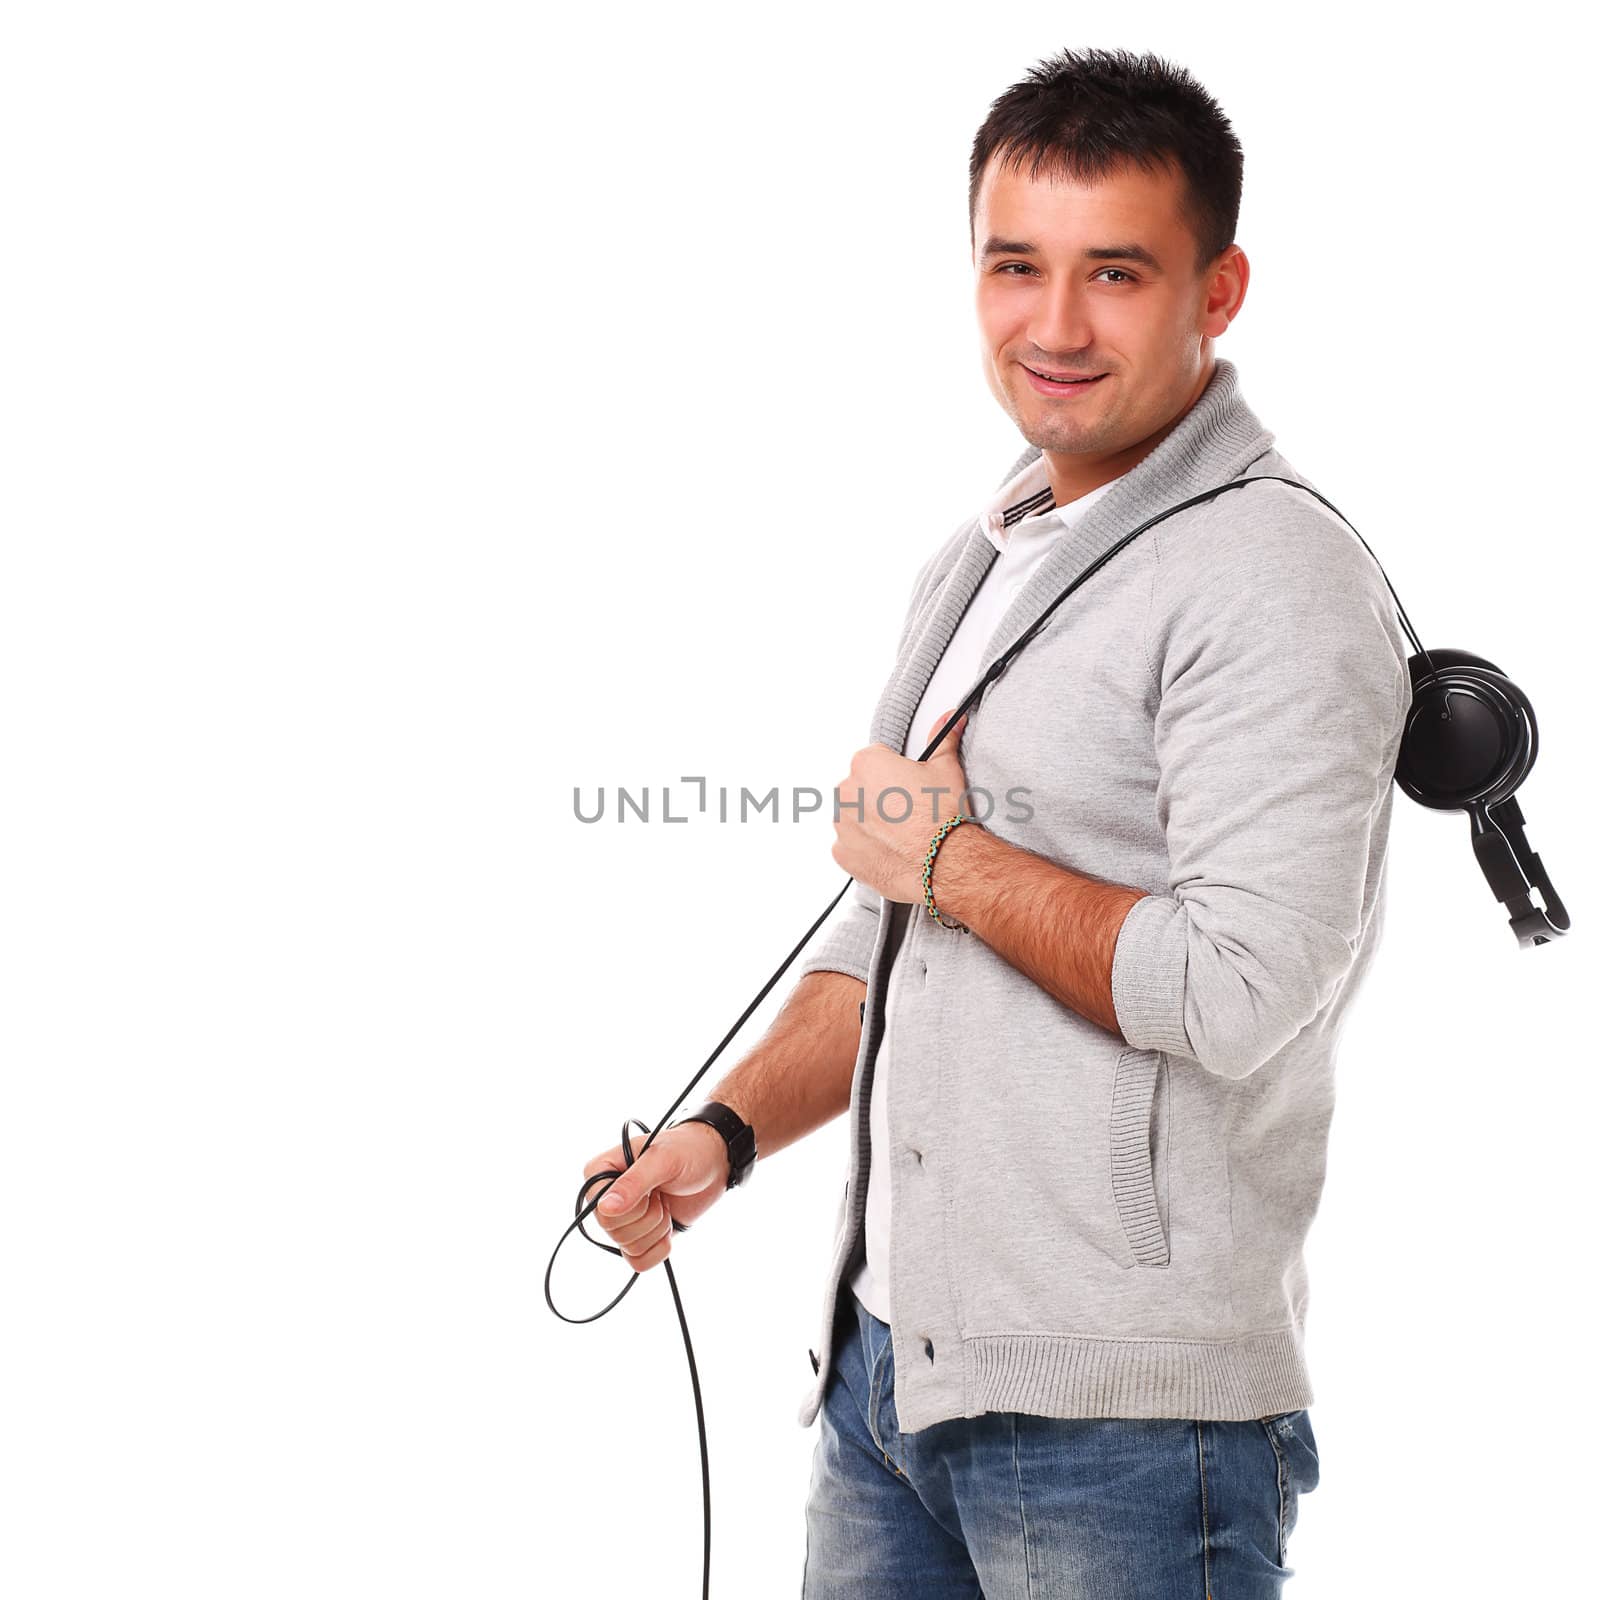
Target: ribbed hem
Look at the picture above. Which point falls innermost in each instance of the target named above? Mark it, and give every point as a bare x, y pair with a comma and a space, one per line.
1052, 1375
1149, 971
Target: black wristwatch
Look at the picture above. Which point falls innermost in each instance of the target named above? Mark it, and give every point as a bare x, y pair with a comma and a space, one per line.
737, 1134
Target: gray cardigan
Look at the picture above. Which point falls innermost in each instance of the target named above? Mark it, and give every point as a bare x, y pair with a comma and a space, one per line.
1090, 1224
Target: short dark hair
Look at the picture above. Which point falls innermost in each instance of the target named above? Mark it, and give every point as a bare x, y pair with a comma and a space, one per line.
1085, 113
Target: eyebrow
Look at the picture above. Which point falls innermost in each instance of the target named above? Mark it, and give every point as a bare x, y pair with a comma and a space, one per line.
1102, 252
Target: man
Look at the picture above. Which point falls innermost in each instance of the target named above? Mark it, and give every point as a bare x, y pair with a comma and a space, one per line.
1088, 1053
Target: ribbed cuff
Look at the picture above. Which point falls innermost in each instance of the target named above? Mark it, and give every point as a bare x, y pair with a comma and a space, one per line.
1149, 971
845, 947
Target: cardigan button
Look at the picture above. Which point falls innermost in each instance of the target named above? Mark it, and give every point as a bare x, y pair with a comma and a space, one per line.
927, 1344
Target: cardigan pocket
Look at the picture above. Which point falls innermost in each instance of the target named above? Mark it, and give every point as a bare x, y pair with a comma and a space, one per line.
1139, 1152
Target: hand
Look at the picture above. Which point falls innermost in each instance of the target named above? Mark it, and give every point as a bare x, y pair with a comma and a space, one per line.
680, 1177
888, 855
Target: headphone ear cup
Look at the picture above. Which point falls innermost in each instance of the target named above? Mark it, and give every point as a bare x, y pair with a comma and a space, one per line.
1470, 736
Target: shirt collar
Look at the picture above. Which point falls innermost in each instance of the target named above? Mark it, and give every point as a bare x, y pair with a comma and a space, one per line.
1027, 493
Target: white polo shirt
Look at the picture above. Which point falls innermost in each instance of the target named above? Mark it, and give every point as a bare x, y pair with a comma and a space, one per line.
1022, 522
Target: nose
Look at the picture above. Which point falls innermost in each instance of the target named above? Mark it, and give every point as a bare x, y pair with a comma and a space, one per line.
1059, 327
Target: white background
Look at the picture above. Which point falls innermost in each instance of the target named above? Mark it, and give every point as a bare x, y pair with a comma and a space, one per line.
414, 412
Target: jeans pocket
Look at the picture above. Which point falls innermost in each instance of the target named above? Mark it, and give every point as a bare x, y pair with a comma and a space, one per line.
1299, 1469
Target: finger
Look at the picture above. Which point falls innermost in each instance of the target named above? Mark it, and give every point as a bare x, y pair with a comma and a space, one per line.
656, 1253
648, 1239
636, 1230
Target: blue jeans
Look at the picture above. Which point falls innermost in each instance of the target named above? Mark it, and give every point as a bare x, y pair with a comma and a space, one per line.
1009, 1506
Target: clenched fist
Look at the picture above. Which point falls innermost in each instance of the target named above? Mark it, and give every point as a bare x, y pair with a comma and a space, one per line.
679, 1177
889, 807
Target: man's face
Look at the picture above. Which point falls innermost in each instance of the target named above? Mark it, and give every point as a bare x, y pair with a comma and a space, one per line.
1046, 304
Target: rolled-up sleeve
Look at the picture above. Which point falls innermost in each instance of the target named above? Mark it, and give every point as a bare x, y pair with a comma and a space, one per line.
1282, 691
845, 943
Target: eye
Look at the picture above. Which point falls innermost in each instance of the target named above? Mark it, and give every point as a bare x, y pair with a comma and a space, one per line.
1126, 276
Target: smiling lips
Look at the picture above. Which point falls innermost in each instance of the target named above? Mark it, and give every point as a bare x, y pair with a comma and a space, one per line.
1068, 384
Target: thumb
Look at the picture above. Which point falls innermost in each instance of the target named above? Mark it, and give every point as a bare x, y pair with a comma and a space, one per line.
628, 1190
654, 1169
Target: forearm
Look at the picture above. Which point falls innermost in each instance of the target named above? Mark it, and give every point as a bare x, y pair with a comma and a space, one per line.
1055, 925
798, 1075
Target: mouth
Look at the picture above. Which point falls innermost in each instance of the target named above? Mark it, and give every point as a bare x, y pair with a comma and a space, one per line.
1064, 382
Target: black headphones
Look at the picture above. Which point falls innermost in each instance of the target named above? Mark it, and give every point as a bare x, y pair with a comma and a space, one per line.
1469, 742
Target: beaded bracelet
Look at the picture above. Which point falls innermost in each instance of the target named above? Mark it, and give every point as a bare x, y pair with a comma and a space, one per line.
927, 871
